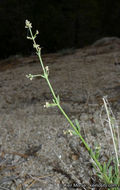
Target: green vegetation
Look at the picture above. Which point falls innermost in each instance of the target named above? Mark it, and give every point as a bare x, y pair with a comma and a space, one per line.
108, 172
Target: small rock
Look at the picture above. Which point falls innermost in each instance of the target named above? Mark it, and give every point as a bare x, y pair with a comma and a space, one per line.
84, 117
75, 157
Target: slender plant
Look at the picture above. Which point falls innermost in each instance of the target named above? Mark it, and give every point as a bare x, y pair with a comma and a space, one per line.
108, 174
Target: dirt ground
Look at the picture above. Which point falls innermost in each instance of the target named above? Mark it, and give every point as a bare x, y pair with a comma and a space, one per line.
34, 151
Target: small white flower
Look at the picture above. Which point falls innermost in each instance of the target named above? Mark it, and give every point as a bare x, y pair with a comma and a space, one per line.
98, 148
47, 70
37, 32
65, 132
28, 24
36, 46
29, 38
27, 76
47, 105
30, 76
70, 132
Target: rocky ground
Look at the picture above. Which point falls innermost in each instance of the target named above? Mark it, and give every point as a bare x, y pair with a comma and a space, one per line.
34, 151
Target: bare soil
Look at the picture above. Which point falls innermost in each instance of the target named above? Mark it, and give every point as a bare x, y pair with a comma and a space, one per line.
35, 152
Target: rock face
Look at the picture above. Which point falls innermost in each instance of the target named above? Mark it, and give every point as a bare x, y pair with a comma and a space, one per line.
81, 79
106, 41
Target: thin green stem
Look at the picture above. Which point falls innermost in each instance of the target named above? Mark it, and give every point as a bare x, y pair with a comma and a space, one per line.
73, 126
38, 51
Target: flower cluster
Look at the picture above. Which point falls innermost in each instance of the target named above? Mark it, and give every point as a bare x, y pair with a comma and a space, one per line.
47, 105
47, 70
28, 24
37, 46
30, 76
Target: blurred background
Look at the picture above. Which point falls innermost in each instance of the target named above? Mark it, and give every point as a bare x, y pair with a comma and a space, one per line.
62, 24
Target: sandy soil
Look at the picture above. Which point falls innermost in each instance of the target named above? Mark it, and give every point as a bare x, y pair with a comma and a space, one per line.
34, 148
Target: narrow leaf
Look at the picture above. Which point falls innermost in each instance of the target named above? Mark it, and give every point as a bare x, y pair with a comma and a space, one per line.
77, 124
104, 168
109, 162
73, 132
54, 101
58, 98
110, 172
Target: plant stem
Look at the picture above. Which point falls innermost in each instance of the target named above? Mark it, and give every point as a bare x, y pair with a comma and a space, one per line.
91, 153
73, 126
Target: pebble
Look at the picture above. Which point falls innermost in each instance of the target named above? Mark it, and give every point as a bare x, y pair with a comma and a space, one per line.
75, 157
84, 117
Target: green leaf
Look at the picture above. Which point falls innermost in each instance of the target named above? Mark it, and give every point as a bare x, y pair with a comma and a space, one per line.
116, 180
54, 101
97, 151
110, 172
94, 166
74, 132
58, 98
109, 162
77, 124
104, 168
97, 154
99, 175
